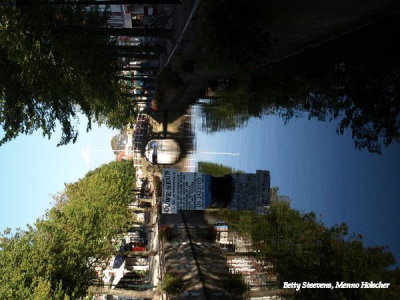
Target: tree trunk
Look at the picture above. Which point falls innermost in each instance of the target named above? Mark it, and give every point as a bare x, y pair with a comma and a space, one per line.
136, 32
150, 71
141, 95
137, 56
137, 68
110, 31
145, 200
144, 79
93, 2
139, 209
135, 49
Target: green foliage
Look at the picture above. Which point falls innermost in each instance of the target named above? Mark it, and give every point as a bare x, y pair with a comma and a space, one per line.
27, 267
363, 97
303, 249
359, 90
216, 170
123, 112
235, 284
172, 284
230, 35
144, 273
370, 113
165, 233
118, 141
237, 104
50, 74
55, 259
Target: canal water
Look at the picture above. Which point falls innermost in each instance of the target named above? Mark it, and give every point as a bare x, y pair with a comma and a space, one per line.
319, 170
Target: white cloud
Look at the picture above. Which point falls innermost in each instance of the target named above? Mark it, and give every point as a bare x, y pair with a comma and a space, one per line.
86, 155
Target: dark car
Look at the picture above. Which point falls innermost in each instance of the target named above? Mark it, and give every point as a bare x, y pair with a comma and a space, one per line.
139, 241
145, 204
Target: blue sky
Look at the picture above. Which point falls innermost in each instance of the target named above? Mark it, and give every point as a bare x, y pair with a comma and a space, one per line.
319, 171
34, 168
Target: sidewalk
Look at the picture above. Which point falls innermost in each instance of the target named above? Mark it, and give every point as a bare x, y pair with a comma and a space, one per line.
197, 260
178, 258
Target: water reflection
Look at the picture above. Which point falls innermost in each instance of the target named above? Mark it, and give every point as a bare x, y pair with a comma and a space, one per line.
273, 118
354, 79
319, 170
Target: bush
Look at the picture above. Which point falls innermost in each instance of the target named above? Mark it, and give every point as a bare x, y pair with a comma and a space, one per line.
235, 284
165, 233
172, 284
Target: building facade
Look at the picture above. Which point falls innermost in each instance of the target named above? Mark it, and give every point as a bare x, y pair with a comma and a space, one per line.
251, 191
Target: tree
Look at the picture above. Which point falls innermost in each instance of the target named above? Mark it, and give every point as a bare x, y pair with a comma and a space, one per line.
235, 284
56, 257
216, 170
361, 98
49, 75
118, 141
353, 80
303, 249
139, 78
24, 274
233, 42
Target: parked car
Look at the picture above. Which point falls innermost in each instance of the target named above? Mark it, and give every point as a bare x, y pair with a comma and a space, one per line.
134, 227
142, 217
139, 241
136, 233
145, 204
138, 248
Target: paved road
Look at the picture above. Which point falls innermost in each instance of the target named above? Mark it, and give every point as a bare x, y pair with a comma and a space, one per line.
178, 258
180, 18
198, 260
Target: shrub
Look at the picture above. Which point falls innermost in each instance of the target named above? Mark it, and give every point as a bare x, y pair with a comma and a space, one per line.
211, 233
172, 284
235, 284
165, 233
